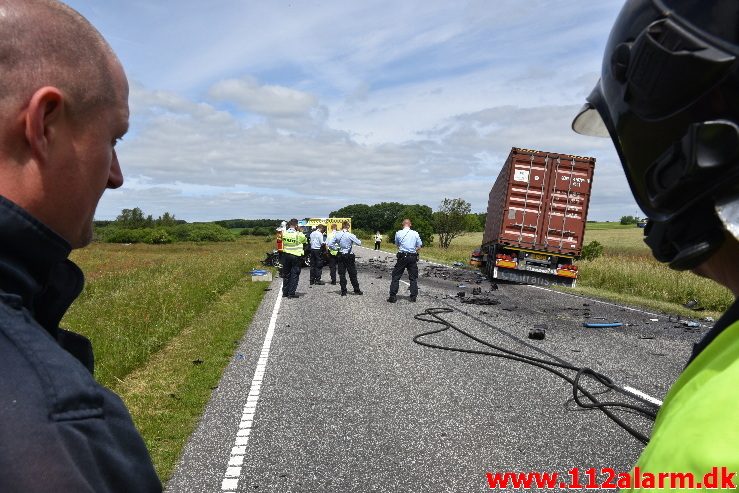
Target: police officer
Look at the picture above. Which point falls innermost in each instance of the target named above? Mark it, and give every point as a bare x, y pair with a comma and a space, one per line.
316, 254
293, 241
332, 253
344, 241
409, 243
669, 99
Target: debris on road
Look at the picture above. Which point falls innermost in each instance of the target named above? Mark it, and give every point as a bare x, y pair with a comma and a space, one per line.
480, 301
537, 333
692, 325
694, 305
602, 325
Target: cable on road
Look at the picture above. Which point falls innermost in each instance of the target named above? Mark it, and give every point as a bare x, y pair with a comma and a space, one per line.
590, 401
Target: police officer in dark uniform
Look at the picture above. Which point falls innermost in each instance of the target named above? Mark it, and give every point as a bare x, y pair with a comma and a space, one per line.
409, 243
344, 242
669, 99
317, 243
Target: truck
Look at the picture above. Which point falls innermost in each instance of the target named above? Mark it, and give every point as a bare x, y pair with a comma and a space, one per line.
536, 218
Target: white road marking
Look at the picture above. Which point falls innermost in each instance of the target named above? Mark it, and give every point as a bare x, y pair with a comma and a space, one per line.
626, 388
236, 460
646, 397
596, 301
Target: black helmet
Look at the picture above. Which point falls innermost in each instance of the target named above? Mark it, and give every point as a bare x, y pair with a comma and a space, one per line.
669, 99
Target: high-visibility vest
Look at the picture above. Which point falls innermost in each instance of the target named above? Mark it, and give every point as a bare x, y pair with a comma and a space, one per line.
696, 428
329, 240
292, 242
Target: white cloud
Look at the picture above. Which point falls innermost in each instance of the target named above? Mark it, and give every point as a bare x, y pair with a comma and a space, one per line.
268, 100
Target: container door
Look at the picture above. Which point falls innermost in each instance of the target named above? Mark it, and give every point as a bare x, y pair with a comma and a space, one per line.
523, 217
567, 205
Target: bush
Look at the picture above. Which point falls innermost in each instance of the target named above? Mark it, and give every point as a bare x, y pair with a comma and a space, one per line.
158, 236
202, 232
591, 251
164, 235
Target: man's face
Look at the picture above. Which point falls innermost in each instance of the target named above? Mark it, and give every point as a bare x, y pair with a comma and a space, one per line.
94, 165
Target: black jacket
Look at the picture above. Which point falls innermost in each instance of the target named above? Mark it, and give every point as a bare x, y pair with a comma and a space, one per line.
60, 430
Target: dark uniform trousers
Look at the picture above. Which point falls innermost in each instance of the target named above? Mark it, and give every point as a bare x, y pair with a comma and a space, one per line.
316, 264
346, 263
332, 266
291, 271
406, 261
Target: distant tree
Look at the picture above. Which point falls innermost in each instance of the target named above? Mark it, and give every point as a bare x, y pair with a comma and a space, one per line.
131, 218
420, 223
450, 220
166, 219
473, 224
483, 218
629, 220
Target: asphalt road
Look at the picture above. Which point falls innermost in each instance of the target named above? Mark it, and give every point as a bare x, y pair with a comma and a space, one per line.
331, 394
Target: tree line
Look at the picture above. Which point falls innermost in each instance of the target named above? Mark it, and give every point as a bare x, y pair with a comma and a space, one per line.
452, 219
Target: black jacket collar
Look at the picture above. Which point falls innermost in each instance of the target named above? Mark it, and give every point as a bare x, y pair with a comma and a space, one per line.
35, 268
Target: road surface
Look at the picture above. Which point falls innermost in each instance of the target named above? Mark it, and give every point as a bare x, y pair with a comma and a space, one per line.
331, 394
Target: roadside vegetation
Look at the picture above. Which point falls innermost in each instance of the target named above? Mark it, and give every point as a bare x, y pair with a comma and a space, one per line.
164, 321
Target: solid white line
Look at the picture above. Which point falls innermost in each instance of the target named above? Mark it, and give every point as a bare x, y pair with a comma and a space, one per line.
596, 301
646, 397
236, 460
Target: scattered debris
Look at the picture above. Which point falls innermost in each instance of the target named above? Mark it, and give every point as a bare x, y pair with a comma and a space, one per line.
654, 320
708, 319
692, 325
458, 264
480, 301
461, 286
477, 291
694, 305
537, 334
461, 294
197, 362
494, 287
602, 325
646, 337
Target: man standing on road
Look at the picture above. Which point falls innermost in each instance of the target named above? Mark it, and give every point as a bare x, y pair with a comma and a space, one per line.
63, 108
345, 242
293, 241
332, 254
316, 255
409, 243
669, 99
378, 240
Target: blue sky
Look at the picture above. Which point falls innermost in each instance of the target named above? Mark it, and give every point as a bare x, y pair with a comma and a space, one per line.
295, 108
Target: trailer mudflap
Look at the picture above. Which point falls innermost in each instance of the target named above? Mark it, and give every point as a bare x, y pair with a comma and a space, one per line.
531, 277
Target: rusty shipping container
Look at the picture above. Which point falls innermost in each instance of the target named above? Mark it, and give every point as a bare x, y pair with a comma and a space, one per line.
538, 206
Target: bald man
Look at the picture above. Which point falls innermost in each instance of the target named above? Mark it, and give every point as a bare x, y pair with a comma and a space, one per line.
63, 107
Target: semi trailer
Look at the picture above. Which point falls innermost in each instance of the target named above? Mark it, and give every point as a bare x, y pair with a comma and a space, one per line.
536, 218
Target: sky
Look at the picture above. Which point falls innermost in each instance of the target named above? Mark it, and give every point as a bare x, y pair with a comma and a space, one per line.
245, 109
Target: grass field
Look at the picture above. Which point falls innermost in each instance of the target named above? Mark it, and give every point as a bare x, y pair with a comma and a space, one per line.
625, 273
164, 321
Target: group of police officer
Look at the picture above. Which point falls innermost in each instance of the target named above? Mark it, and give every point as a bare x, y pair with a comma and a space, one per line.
339, 245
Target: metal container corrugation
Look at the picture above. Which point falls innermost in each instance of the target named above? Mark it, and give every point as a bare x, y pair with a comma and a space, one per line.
540, 202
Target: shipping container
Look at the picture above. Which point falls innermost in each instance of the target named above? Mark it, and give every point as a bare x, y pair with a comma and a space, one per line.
537, 211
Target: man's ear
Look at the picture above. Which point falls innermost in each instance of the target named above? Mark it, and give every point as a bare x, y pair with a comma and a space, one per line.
44, 112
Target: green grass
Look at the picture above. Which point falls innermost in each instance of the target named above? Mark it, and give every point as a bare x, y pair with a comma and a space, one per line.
626, 273
150, 312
